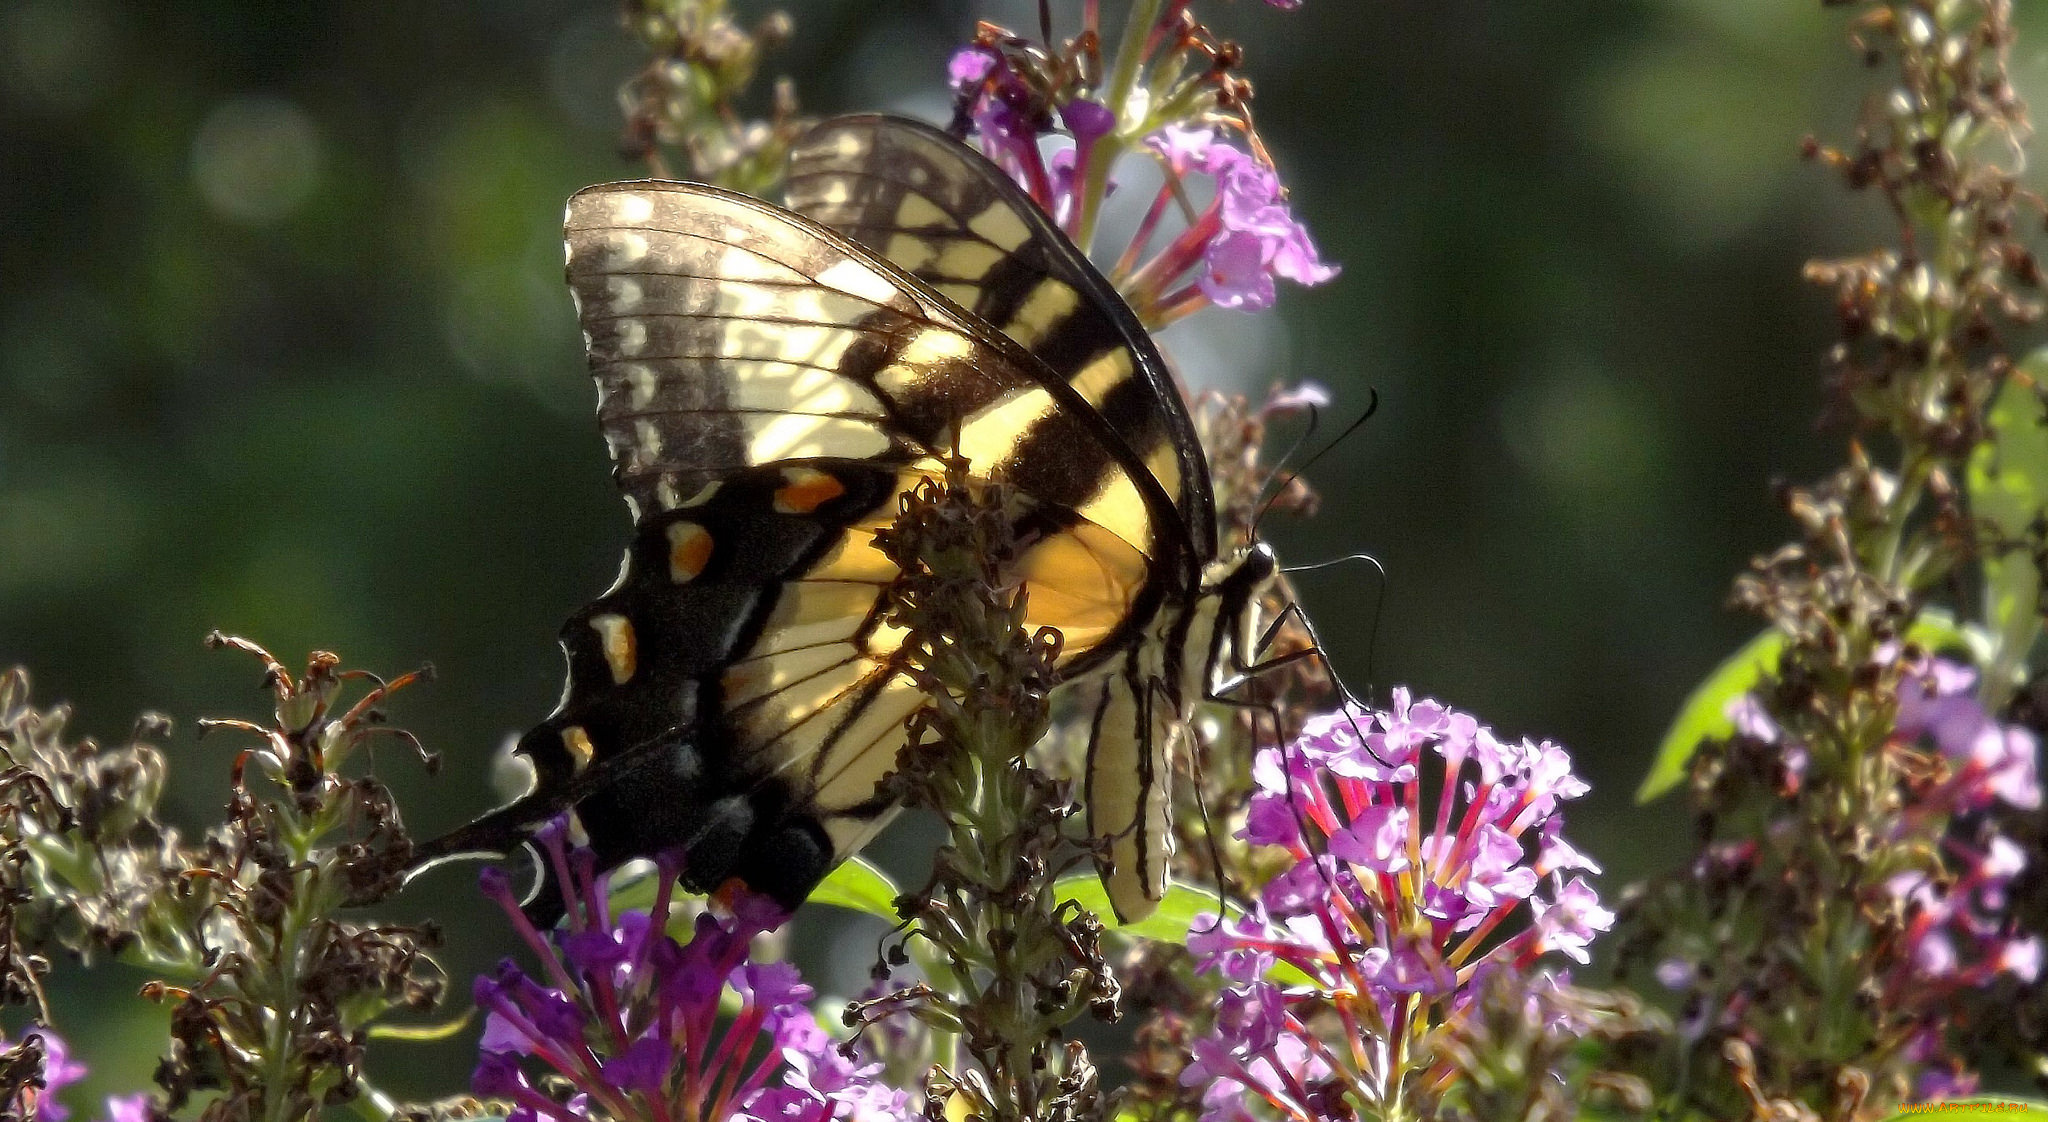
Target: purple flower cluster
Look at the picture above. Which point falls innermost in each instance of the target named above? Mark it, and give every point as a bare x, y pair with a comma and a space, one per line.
1988, 762
630, 1017
1232, 247
60, 1070
1956, 760
1235, 247
1010, 115
1956, 934
1416, 836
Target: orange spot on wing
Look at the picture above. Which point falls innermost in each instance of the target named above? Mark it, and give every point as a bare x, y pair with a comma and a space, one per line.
689, 550
621, 645
806, 490
579, 745
727, 893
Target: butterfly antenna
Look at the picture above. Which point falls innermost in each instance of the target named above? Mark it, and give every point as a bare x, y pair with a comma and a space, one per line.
1371, 407
1315, 418
1346, 699
1379, 604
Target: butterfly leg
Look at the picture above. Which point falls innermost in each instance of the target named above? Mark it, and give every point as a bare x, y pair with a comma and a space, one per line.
1246, 671
1245, 665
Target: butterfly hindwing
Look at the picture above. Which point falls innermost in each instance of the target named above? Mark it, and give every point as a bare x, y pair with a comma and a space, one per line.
711, 682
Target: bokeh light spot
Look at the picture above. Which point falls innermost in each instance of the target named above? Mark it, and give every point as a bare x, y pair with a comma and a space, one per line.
54, 54
1584, 435
256, 159
1712, 132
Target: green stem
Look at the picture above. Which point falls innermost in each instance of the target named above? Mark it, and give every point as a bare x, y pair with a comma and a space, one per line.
1123, 79
372, 1105
309, 903
1912, 481
1130, 54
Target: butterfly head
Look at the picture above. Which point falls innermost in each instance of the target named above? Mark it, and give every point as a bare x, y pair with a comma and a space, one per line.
1240, 583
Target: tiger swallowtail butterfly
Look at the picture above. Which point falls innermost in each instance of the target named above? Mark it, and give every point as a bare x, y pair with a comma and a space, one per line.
770, 381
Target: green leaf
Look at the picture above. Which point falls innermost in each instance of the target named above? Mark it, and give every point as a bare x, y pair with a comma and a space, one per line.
859, 886
1981, 1106
1177, 911
2005, 483
1183, 904
1704, 715
855, 885
1937, 630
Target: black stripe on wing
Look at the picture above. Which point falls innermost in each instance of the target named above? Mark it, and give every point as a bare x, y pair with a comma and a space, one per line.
942, 213
726, 333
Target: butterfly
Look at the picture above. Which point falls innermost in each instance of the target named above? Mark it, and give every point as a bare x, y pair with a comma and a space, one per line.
770, 381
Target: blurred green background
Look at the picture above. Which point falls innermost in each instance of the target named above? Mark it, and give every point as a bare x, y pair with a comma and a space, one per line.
284, 350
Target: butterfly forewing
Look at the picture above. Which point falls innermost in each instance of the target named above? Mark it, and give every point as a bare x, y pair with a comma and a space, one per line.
950, 218
718, 341
956, 222
724, 332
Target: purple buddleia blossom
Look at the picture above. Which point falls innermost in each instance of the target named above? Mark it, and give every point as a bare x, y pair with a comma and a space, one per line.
1231, 252
128, 1108
1228, 252
1426, 853
1958, 935
1991, 762
61, 1069
630, 1018
1568, 924
1009, 117
1940, 1084
969, 66
1677, 974
1087, 122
